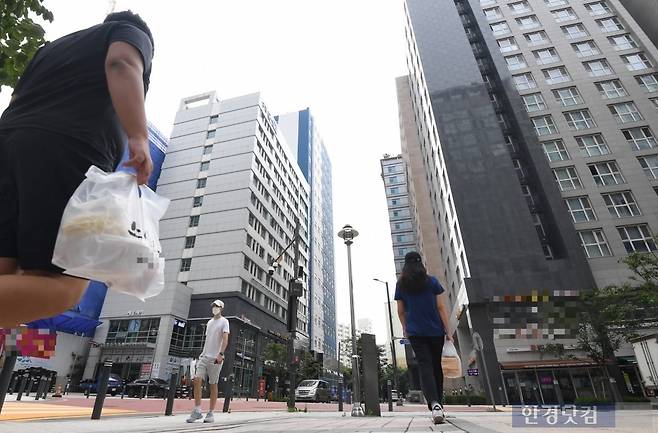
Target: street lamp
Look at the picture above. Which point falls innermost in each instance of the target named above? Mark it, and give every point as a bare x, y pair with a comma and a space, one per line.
348, 234
393, 354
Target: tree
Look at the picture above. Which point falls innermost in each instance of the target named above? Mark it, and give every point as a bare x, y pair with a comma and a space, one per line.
274, 356
20, 36
614, 314
309, 367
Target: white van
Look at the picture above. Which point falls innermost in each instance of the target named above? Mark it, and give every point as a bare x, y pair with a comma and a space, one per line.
313, 390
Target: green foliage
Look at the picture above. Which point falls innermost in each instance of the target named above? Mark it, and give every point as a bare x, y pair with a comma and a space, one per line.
589, 401
309, 367
20, 36
275, 358
614, 314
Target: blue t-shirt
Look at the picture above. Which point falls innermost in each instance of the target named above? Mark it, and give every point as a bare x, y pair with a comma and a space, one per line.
421, 311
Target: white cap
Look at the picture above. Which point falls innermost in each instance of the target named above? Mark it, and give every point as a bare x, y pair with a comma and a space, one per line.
218, 303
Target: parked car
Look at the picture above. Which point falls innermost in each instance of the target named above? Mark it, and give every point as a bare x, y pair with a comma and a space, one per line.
114, 385
156, 388
313, 390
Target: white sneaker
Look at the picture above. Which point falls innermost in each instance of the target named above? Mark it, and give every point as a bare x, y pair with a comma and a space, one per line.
438, 417
209, 417
195, 415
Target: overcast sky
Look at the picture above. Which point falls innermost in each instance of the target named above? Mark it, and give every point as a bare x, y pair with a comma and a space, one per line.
338, 57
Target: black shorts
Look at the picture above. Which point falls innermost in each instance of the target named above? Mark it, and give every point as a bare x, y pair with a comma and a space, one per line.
39, 171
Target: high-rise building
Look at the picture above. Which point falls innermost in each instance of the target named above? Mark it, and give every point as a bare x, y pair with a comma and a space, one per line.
645, 13
344, 336
397, 334
364, 326
301, 132
236, 196
533, 118
400, 208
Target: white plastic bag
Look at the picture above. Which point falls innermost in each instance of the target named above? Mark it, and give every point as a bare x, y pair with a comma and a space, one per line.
110, 233
450, 361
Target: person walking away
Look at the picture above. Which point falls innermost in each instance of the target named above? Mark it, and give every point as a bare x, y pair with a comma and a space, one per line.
80, 98
422, 310
210, 362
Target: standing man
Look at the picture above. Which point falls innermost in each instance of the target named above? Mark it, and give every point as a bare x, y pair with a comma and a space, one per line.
210, 362
78, 101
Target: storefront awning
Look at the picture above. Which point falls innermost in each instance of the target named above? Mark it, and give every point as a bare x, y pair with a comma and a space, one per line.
547, 363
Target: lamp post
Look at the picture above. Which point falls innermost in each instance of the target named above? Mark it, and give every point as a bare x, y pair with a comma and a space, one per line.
348, 234
393, 354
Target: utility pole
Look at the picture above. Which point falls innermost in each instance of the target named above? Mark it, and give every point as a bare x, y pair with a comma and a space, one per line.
295, 291
393, 354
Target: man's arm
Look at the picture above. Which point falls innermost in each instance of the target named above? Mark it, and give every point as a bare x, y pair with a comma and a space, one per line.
222, 347
124, 69
443, 313
401, 315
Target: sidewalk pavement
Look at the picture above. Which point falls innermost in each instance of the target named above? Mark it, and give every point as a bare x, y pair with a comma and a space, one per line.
270, 422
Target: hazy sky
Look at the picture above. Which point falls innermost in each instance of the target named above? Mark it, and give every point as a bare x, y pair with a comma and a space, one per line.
338, 57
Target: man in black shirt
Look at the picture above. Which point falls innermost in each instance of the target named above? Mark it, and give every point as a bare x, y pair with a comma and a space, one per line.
78, 101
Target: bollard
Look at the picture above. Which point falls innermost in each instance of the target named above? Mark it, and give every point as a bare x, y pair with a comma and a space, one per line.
30, 384
5, 377
340, 396
12, 384
102, 390
88, 391
172, 394
46, 388
389, 395
228, 394
21, 387
37, 394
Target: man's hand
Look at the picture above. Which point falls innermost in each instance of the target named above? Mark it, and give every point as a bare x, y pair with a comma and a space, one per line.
140, 159
219, 359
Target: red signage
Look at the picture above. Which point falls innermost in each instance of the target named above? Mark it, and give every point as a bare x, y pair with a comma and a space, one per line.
261, 387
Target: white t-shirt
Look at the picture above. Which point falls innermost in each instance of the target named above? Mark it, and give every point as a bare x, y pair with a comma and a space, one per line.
214, 336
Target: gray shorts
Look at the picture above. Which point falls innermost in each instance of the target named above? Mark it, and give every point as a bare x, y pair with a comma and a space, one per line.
206, 367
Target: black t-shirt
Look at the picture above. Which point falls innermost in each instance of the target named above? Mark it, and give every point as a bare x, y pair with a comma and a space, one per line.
64, 90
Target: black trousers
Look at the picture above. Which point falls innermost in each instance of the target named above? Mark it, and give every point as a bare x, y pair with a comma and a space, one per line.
428, 352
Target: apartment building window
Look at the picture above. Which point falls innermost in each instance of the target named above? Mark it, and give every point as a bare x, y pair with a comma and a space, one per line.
611, 24
592, 145
213, 119
556, 75
520, 7
598, 68
534, 102
574, 31
205, 165
640, 138
527, 193
637, 238
487, 2
194, 221
648, 82
553, 3
636, 62
625, 112
546, 56
493, 13
594, 243
190, 241
207, 149
611, 89
622, 42
527, 23
201, 183
654, 101
649, 164
507, 44
185, 265
568, 96
555, 150
518, 167
621, 204
585, 49
580, 209
544, 125
515, 62
500, 28
524, 81
211, 134
597, 8
198, 201
536, 38
562, 15
579, 119
606, 173
567, 178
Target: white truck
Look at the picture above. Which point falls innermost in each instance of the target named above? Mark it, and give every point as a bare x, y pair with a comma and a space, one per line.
646, 353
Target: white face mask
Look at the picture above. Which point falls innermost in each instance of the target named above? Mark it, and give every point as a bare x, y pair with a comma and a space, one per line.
216, 310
